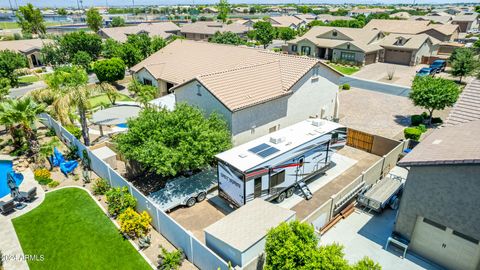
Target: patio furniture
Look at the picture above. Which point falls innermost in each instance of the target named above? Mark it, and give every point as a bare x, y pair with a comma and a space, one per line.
29, 195
68, 166
57, 158
12, 179
7, 207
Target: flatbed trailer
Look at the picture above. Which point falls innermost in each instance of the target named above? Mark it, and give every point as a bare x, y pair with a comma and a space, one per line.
185, 190
384, 192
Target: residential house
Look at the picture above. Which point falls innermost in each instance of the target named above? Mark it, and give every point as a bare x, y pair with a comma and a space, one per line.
306, 17
247, 22
28, 47
287, 21
289, 9
435, 19
438, 210
437, 31
256, 91
408, 49
354, 45
241, 10
466, 22
403, 15
327, 18
366, 11
120, 34
210, 10
204, 30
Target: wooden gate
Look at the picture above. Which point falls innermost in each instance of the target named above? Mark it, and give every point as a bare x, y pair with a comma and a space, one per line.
360, 140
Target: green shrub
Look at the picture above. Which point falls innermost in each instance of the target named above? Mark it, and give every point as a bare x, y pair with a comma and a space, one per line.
416, 120
425, 115
170, 260
42, 176
346, 86
412, 133
72, 153
53, 184
422, 128
50, 133
119, 200
437, 120
100, 187
74, 130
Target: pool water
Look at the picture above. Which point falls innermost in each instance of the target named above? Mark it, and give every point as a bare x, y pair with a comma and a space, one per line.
123, 125
5, 167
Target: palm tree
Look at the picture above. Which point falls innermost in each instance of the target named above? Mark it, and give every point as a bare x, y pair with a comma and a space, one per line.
46, 150
23, 112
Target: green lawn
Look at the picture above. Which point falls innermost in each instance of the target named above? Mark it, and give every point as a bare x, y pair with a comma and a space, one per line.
102, 99
29, 79
347, 70
14, 25
72, 232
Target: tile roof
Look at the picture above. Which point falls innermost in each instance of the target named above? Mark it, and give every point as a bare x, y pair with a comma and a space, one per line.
465, 18
210, 28
446, 29
163, 29
467, 107
285, 21
24, 45
330, 18
399, 27
183, 60
436, 19
451, 145
412, 42
360, 38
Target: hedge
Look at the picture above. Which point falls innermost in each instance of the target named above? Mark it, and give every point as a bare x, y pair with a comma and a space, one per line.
412, 133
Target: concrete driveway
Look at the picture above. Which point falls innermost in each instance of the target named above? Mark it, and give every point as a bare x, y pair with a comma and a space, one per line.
378, 113
402, 75
363, 234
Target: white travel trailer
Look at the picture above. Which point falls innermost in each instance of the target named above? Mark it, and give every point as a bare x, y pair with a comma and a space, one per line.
272, 166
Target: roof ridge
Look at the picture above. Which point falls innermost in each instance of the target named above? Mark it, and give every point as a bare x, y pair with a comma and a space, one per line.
246, 66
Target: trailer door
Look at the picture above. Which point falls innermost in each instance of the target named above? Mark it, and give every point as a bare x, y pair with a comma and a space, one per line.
257, 191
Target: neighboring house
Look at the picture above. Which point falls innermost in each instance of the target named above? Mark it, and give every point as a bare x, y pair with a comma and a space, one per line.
358, 46
241, 10
256, 91
210, 10
327, 18
398, 27
403, 15
205, 30
366, 11
289, 9
287, 21
437, 31
28, 47
247, 22
435, 19
306, 17
466, 22
120, 34
444, 33
438, 211
408, 49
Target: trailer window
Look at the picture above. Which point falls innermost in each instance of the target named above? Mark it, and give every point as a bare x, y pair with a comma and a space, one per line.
277, 179
334, 137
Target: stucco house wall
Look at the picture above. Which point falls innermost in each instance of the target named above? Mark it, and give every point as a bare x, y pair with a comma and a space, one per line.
447, 194
310, 95
359, 54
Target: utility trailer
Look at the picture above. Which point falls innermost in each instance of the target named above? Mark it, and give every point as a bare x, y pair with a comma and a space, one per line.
273, 166
385, 192
185, 190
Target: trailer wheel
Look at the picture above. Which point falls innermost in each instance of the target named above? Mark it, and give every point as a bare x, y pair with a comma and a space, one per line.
201, 196
191, 202
290, 192
281, 197
395, 203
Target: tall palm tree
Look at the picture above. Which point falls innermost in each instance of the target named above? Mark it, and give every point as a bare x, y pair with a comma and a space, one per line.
23, 112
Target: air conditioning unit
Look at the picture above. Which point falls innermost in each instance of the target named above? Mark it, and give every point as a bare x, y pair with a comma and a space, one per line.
277, 139
318, 122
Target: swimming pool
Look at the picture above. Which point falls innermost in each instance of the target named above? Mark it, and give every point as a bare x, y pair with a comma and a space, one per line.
5, 167
122, 125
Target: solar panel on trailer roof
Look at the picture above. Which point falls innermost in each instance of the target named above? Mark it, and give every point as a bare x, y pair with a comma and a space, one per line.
259, 148
267, 152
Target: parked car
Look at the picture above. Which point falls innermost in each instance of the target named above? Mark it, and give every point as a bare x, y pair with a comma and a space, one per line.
425, 72
438, 65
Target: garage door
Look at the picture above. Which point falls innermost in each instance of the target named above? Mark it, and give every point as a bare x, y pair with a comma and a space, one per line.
444, 246
370, 58
398, 57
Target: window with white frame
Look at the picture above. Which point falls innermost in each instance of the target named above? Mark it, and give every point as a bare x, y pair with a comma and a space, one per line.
347, 56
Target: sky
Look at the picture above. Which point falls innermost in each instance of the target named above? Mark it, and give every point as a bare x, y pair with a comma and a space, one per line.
87, 3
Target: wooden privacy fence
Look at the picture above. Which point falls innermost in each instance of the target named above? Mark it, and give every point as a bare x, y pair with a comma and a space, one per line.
359, 139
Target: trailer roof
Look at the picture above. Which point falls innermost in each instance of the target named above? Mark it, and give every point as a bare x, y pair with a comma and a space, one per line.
249, 224
258, 151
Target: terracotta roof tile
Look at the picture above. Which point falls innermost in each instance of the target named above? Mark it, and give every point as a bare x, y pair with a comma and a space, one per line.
163, 29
